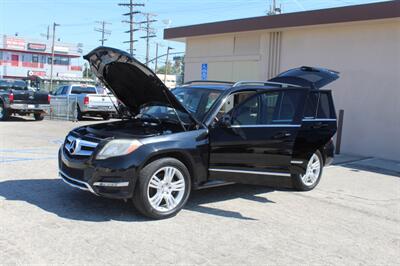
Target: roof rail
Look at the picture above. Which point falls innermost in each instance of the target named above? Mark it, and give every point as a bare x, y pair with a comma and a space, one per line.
263, 83
209, 81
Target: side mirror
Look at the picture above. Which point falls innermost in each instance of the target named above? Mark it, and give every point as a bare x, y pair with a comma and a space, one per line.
226, 120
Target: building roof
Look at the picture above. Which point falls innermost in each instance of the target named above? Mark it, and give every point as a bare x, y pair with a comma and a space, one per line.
382, 10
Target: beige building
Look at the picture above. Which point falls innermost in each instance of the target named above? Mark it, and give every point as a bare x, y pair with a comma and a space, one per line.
361, 42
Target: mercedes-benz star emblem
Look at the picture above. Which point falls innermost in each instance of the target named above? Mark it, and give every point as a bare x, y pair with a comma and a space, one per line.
74, 147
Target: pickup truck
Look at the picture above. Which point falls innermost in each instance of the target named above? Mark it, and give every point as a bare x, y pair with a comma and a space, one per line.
86, 100
17, 98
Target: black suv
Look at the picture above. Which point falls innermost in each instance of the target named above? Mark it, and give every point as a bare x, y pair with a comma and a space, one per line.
201, 134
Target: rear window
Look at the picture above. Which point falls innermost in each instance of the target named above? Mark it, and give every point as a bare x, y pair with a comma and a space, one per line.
83, 90
14, 84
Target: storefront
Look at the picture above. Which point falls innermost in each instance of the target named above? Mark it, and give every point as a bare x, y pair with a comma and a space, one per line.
22, 58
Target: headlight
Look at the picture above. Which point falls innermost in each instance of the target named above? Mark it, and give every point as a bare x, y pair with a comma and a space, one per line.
118, 147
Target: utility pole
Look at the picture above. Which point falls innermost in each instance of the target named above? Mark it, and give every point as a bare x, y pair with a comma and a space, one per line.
103, 30
52, 55
150, 32
166, 64
273, 9
131, 22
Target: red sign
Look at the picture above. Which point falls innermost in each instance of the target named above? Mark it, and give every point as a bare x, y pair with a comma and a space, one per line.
37, 46
14, 43
36, 73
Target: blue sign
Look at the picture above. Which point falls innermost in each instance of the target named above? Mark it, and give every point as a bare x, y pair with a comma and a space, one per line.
204, 71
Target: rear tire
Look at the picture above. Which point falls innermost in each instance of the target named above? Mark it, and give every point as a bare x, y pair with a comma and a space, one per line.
38, 116
162, 189
78, 113
311, 178
4, 113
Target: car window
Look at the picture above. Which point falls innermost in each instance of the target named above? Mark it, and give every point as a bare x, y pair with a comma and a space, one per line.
325, 107
233, 101
285, 108
64, 90
310, 108
58, 91
197, 100
83, 90
248, 112
319, 105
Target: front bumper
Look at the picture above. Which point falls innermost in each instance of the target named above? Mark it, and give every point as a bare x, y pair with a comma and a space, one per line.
30, 107
101, 181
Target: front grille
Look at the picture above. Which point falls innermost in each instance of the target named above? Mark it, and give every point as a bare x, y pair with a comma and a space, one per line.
78, 147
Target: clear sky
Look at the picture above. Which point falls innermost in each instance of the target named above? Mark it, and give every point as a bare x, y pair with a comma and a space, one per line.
77, 17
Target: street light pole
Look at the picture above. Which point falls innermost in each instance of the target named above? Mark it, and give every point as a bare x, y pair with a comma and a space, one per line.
155, 67
52, 55
166, 64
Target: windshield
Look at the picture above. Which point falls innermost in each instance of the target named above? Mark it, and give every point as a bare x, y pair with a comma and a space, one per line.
14, 84
83, 90
196, 100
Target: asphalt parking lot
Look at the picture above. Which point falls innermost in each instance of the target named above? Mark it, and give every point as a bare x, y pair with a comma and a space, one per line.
352, 217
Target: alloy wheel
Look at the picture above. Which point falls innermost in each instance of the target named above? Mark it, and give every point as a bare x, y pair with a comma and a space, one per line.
166, 189
313, 171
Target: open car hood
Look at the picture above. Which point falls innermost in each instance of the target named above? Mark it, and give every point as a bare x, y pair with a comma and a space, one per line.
133, 83
305, 76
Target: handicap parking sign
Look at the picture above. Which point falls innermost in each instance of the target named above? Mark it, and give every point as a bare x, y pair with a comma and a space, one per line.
204, 71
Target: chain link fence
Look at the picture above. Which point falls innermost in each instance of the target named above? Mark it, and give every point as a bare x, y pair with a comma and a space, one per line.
63, 108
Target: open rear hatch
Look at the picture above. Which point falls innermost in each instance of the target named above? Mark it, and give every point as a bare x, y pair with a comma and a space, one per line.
305, 76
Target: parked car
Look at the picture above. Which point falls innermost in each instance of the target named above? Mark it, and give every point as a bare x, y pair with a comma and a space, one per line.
86, 99
200, 135
17, 98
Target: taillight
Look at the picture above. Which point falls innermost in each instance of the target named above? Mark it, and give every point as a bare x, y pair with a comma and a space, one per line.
11, 97
86, 100
48, 98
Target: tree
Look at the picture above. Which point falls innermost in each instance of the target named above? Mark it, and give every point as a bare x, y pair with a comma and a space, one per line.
87, 72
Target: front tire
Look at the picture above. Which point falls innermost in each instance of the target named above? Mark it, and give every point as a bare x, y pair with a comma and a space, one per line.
162, 189
312, 176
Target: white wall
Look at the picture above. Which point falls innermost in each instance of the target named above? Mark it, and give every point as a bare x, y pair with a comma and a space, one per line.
368, 57
366, 53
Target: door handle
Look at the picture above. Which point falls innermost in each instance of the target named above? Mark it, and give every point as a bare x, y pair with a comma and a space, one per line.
282, 135
319, 125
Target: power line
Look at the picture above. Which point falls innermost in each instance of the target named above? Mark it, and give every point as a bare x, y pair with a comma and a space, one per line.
131, 22
103, 30
150, 32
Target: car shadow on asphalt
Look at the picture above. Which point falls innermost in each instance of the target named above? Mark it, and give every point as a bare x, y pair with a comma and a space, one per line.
53, 196
20, 119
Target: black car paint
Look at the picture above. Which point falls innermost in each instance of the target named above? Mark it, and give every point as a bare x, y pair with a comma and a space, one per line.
208, 145
193, 148
22, 95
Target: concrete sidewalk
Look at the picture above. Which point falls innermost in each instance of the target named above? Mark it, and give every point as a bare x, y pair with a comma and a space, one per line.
368, 163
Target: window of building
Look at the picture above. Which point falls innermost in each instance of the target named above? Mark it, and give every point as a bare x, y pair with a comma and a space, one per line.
35, 59
59, 60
